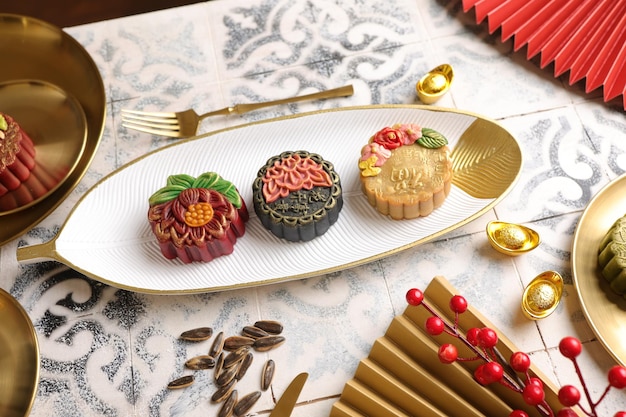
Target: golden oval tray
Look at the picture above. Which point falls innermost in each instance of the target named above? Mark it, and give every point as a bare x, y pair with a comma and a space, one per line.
605, 311
19, 359
41, 51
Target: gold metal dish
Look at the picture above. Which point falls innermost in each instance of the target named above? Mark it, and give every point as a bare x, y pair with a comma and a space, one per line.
542, 296
56, 123
19, 359
435, 84
41, 51
605, 311
512, 239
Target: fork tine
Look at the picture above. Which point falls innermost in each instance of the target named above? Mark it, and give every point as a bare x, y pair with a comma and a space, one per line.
149, 119
154, 130
150, 113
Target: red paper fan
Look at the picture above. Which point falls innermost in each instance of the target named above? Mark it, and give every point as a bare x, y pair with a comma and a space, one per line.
585, 37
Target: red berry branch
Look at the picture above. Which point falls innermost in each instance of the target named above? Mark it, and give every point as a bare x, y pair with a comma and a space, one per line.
514, 373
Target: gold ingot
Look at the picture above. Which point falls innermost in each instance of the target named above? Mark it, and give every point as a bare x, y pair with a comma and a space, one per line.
512, 239
432, 86
542, 295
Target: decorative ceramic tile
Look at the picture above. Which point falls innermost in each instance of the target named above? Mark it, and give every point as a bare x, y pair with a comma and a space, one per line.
264, 36
561, 170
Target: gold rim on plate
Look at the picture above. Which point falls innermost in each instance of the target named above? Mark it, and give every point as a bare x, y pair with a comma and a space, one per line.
41, 51
605, 311
56, 123
19, 359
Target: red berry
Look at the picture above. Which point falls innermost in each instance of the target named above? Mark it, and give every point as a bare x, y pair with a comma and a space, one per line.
493, 371
533, 394
488, 373
620, 414
535, 381
569, 395
566, 412
458, 304
479, 375
447, 353
570, 347
520, 361
518, 413
414, 297
434, 325
617, 377
472, 336
487, 338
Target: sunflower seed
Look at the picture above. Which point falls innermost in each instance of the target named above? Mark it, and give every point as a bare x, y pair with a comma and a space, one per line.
227, 375
266, 343
197, 335
182, 382
229, 405
246, 403
270, 326
253, 332
244, 365
235, 342
200, 362
223, 392
268, 374
217, 345
219, 365
236, 356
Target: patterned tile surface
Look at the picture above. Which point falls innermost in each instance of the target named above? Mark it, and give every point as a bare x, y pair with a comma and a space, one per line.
106, 351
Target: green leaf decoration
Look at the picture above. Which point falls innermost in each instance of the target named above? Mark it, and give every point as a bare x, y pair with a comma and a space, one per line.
182, 180
215, 182
165, 194
432, 139
210, 180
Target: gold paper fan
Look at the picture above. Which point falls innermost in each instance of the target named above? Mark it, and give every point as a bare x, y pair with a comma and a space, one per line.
585, 37
402, 375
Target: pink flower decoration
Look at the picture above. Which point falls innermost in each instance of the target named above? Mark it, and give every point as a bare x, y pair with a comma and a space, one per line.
374, 149
412, 132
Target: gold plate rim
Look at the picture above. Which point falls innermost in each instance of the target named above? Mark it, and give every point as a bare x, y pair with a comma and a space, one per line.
45, 52
604, 310
20, 340
51, 140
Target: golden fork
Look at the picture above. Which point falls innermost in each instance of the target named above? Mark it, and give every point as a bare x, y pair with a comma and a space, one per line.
185, 123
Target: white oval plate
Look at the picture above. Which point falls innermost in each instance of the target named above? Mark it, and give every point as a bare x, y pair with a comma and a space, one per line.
107, 235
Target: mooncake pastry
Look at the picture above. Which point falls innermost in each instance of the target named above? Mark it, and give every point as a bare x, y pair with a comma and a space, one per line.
197, 219
17, 154
612, 256
297, 195
406, 171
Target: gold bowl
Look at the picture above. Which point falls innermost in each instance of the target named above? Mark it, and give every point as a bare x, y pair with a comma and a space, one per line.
19, 359
56, 123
